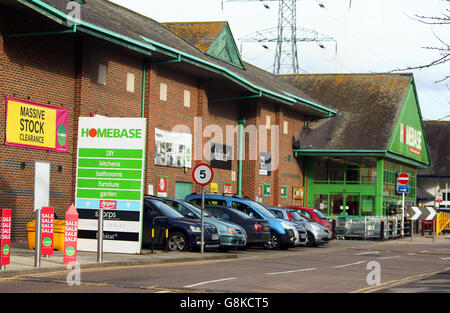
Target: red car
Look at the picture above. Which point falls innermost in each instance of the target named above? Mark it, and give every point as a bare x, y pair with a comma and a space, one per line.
313, 214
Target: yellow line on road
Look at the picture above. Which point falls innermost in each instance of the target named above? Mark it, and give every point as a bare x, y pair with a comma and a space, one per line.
394, 283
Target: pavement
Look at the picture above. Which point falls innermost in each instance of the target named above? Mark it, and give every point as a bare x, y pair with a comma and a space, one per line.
23, 259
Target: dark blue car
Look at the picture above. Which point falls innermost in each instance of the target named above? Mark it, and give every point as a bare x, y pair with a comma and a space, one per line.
183, 234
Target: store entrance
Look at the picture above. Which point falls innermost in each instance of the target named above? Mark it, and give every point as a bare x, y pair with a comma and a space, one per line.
344, 204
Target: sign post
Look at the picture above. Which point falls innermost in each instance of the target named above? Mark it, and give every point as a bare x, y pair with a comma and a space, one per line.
70, 236
5, 237
403, 187
203, 175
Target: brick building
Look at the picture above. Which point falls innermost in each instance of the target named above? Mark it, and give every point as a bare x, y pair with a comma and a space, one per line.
113, 62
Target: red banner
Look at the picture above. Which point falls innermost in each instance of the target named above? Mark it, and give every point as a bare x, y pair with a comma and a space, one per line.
47, 230
5, 236
71, 235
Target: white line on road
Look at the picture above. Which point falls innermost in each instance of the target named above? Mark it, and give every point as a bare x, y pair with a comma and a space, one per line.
370, 252
294, 271
209, 282
389, 257
445, 258
345, 265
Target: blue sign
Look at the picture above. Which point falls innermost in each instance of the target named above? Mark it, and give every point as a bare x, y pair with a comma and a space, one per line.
402, 188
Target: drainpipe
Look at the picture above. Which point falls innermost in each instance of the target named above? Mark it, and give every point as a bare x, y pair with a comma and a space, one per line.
241, 123
144, 72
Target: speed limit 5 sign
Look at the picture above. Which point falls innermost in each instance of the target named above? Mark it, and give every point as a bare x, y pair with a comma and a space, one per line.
203, 174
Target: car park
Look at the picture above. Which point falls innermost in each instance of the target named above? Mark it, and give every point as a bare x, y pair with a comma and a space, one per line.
258, 232
313, 214
231, 235
283, 234
183, 234
317, 233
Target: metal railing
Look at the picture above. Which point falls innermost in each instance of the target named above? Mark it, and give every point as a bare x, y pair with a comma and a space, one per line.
369, 227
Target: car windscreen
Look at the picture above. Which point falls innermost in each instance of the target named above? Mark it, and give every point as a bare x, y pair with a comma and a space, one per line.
165, 209
263, 210
196, 209
320, 214
297, 217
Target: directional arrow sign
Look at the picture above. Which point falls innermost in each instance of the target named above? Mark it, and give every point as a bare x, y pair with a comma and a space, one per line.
432, 214
417, 213
424, 214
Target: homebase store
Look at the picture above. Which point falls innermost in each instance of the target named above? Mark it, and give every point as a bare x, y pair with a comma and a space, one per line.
352, 161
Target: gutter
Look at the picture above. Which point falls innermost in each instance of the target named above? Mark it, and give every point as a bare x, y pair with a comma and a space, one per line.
222, 70
312, 105
94, 30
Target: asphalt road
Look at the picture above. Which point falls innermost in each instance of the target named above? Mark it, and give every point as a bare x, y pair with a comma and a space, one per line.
340, 267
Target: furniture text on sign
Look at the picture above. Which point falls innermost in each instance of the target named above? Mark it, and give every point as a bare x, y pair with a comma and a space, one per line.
5, 236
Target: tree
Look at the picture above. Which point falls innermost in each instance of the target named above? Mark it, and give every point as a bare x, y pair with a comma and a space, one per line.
444, 49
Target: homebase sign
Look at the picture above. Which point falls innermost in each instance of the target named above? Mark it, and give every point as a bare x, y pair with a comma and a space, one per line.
110, 176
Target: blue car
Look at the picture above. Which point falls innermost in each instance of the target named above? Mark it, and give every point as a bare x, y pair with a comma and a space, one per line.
183, 234
230, 235
283, 234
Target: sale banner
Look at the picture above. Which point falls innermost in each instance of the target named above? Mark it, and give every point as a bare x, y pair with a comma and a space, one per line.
47, 230
228, 188
36, 126
5, 236
71, 235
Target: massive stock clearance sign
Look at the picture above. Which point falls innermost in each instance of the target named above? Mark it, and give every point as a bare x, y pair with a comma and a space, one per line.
110, 176
36, 126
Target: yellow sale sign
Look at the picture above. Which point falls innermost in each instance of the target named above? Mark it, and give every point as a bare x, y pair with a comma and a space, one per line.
36, 126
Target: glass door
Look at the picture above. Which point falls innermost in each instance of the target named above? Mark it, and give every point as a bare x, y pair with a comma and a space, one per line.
351, 204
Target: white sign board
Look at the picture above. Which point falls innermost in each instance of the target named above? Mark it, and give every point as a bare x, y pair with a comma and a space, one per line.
110, 176
173, 149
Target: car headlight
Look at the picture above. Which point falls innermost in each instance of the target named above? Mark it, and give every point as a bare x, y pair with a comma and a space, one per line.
287, 225
231, 230
195, 229
316, 227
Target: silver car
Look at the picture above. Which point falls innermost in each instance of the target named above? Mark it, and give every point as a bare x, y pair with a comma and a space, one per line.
317, 234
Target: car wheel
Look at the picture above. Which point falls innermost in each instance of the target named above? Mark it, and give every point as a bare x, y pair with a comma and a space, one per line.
274, 242
177, 242
311, 242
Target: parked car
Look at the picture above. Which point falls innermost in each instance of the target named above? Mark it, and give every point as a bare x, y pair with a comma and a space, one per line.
231, 235
317, 233
314, 215
184, 234
258, 232
283, 234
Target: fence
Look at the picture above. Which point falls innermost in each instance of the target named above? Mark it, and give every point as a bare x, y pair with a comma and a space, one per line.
369, 227
442, 222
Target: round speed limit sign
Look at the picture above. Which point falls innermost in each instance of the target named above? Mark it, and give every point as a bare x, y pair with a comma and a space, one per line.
203, 174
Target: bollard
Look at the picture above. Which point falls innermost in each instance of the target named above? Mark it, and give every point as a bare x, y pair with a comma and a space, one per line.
382, 230
333, 227
37, 249
423, 228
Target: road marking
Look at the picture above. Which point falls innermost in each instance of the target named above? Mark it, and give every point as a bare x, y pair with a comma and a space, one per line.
389, 257
370, 252
294, 271
209, 282
411, 254
445, 258
345, 265
424, 251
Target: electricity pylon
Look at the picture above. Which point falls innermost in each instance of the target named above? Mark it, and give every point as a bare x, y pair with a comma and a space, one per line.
286, 36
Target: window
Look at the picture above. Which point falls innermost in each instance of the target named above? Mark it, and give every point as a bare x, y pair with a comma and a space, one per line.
268, 122
130, 82
285, 127
278, 213
187, 99
163, 92
101, 74
245, 209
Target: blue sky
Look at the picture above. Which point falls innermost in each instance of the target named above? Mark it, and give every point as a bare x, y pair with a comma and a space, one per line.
371, 36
